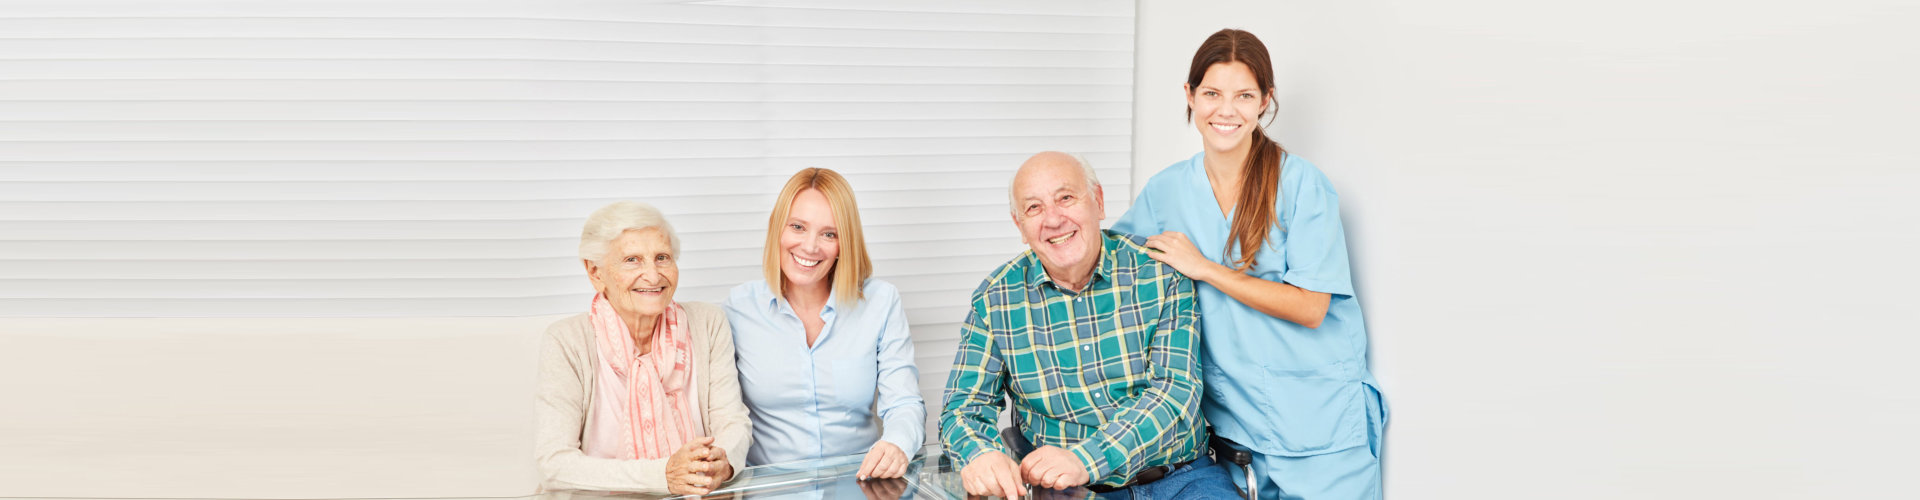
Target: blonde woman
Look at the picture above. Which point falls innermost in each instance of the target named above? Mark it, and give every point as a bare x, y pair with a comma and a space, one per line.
824, 358
638, 393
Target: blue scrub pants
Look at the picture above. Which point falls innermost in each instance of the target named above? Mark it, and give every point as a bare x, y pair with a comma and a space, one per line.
1349, 474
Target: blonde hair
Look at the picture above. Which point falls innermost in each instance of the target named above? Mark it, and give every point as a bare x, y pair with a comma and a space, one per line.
853, 267
607, 223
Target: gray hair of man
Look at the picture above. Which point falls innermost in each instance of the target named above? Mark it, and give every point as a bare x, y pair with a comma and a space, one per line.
1086, 171
609, 222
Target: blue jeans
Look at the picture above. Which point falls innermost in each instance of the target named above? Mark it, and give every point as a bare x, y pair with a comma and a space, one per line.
1201, 479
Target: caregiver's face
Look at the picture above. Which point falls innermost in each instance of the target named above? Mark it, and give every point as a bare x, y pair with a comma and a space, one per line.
809, 243
638, 274
1226, 105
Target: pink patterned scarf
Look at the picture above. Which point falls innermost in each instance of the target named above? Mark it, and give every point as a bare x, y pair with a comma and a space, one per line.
644, 404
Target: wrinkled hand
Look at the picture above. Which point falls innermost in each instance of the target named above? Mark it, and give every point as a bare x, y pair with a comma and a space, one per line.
1177, 251
691, 470
883, 460
722, 469
883, 489
992, 474
1053, 467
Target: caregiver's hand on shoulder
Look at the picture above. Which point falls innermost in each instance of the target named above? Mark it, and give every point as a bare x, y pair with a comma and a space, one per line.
1177, 251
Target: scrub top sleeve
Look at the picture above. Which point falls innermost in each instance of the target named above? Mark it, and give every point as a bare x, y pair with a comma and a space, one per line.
1139, 219
1316, 243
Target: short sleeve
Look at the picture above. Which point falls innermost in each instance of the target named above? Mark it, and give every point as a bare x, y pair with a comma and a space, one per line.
1140, 218
1316, 242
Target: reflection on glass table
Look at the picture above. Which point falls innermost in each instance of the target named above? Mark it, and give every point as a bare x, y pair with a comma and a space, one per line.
930, 476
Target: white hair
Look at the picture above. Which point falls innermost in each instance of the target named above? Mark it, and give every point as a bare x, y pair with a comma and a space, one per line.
609, 222
1086, 170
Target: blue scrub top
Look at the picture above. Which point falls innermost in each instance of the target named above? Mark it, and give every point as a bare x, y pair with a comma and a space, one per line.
1271, 384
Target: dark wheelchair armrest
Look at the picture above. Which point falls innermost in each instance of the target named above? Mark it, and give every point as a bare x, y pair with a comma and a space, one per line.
1223, 450
1016, 443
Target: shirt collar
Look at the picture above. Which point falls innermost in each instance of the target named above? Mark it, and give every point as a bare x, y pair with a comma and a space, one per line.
777, 304
1037, 271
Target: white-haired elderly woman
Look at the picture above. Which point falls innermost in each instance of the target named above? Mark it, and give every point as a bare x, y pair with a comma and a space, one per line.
639, 393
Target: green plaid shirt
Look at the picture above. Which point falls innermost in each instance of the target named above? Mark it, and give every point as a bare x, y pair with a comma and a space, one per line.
1111, 374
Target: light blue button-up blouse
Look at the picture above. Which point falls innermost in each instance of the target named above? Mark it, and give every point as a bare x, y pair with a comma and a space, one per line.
857, 384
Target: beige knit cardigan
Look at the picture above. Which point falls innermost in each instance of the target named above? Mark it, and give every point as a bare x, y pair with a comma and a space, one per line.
568, 361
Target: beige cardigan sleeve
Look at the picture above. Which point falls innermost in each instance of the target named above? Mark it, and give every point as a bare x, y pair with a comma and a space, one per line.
568, 360
726, 414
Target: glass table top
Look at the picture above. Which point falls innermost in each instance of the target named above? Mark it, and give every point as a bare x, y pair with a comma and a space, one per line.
929, 476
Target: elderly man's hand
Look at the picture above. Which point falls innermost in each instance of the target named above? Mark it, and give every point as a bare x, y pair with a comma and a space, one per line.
1053, 467
992, 474
690, 471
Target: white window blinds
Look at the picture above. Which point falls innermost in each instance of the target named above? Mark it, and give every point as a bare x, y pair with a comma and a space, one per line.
436, 158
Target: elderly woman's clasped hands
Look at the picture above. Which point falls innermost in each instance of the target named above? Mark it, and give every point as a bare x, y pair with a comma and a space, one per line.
697, 467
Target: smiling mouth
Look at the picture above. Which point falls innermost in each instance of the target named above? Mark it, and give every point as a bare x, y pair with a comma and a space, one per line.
1061, 238
1224, 128
650, 290
804, 262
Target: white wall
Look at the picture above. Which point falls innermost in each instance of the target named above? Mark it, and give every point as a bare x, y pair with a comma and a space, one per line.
1617, 249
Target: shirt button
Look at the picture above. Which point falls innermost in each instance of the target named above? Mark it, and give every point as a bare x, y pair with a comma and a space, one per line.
1086, 348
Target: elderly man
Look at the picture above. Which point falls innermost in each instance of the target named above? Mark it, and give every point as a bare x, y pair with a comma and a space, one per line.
1095, 344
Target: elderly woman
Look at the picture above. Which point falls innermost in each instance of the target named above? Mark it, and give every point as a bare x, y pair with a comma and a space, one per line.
639, 393
824, 354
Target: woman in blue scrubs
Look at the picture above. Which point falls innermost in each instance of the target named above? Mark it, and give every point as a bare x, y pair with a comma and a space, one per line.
1284, 346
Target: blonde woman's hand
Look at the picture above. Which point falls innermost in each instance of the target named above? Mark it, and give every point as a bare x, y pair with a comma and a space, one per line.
883, 460
884, 489
689, 472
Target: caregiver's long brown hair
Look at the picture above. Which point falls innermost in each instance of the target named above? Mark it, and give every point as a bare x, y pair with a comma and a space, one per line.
1256, 209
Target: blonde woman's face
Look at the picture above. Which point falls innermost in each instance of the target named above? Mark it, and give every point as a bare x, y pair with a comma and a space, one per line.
809, 242
1227, 106
638, 274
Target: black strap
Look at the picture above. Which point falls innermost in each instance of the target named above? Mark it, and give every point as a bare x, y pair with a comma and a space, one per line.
1144, 477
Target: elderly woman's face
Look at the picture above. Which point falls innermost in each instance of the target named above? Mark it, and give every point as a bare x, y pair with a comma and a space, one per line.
638, 274
809, 243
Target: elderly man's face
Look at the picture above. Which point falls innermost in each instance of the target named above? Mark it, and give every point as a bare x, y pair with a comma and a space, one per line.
1059, 217
638, 274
